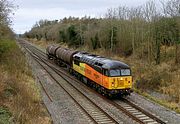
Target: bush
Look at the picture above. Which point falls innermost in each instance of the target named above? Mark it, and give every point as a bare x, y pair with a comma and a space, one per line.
5, 45
154, 81
4, 115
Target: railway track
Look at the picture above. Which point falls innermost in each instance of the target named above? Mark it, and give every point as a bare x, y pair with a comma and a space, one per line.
130, 109
140, 113
93, 111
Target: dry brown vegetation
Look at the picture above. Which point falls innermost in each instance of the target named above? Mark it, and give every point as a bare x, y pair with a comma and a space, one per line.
146, 37
18, 91
20, 100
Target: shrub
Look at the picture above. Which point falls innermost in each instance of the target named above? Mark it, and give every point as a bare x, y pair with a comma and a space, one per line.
5, 45
4, 115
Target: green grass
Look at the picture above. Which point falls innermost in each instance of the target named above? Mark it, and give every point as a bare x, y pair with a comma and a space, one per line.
5, 116
12, 58
6, 45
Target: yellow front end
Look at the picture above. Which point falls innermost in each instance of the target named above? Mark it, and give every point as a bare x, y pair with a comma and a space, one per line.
124, 82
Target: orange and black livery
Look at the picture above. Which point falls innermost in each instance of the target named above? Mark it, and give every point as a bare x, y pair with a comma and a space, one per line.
107, 76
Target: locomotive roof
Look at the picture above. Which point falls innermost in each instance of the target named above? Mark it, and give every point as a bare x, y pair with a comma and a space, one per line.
113, 64
100, 61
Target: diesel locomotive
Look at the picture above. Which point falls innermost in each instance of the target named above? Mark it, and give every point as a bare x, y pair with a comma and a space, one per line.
109, 77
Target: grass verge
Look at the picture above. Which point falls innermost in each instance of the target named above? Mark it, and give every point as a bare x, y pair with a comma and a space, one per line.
168, 104
20, 100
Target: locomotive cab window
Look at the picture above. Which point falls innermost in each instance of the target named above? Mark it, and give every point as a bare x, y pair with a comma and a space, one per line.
119, 72
114, 72
77, 57
76, 62
125, 72
105, 72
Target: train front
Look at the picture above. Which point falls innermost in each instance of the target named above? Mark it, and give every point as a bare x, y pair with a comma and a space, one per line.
117, 78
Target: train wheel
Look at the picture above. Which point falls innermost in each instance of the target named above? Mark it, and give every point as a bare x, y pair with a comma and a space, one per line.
94, 86
110, 96
88, 83
70, 70
48, 56
99, 89
79, 77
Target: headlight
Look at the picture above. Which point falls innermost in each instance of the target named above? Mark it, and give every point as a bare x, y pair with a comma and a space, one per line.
113, 84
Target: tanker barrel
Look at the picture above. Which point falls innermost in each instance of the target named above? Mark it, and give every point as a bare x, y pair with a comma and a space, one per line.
52, 49
65, 54
48, 48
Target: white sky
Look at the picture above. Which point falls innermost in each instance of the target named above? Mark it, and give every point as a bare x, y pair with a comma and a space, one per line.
31, 11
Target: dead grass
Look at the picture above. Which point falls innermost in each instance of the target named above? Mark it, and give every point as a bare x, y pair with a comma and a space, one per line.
163, 78
41, 43
18, 91
169, 104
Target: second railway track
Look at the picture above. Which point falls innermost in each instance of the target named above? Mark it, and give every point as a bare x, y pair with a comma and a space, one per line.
97, 114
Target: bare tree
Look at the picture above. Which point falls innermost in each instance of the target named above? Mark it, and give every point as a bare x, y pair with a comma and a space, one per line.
5, 10
122, 12
172, 8
150, 15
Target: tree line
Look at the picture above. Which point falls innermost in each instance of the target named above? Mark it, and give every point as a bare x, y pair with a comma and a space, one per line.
139, 31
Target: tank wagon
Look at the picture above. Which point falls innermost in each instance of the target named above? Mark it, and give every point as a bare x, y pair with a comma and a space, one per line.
51, 51
107, 76
65, 55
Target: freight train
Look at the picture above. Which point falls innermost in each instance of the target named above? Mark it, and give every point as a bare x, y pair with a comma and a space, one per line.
109, 77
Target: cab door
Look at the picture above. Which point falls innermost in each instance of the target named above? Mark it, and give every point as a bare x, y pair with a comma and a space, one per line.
105, 78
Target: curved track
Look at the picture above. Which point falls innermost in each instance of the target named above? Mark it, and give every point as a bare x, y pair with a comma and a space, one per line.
94, 112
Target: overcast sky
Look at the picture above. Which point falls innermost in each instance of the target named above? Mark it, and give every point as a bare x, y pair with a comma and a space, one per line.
31, 11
